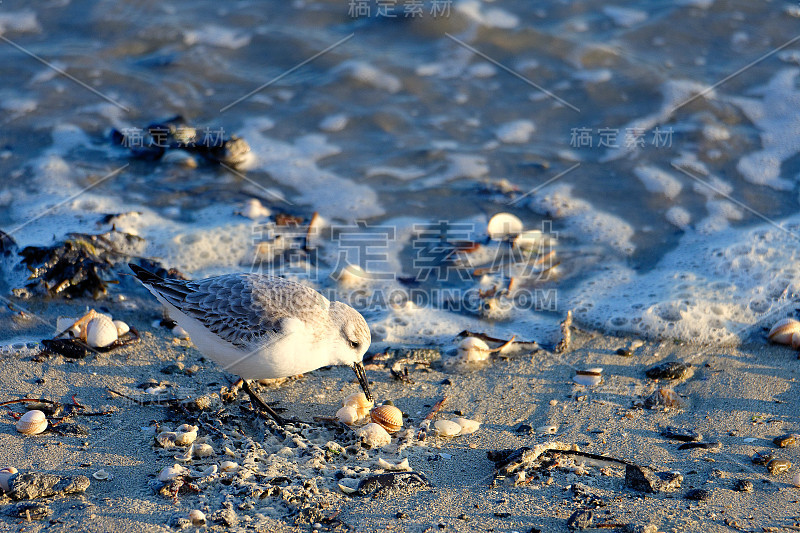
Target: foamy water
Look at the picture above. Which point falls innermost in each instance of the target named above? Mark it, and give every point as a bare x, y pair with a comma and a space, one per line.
669, 185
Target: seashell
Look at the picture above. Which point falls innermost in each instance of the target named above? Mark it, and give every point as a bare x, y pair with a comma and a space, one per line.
180, 332
168, 473
185, 435
5, 475
66, 323
373, 436
388, 417
103, 475
473, 350
32, 423
197, 517
351, 276
467, 426
203, 450
402, 466
211, 470
166, 439
796, 341
347, 490
228, 466
359, 401
447, 428
503, 225
186, 456
100, 332
547, 430
589, 377
783, 330
122, 327
347, 414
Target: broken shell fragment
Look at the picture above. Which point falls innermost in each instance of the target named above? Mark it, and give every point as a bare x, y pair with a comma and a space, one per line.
347, 414
103, 475
373, 436
783, 330
402, 466
5, 475
388, 417
503, 225
32, 423
166, 439
122, 327
197, 517
101, 332
168, 473
467, 426
589, 377
447, 428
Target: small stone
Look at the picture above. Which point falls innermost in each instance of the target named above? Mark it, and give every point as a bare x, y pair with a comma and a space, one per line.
670, 370
526, 429
778, 466
685, 435
581, 519
786, 441
743, 485
698, 495
34, 485
704, 445
664, 398
641, 478
624, 352
175, 368
399, 515
392, 482
225, 516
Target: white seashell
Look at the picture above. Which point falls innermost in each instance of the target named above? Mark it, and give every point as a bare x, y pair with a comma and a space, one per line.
589, 377
186, 435
203, 450
168, 473
447, 428
228, 466
103, 475
467, 426
388, 417
122, 327
100, 332
351, 276
186, 456
374, 436
547, 430
402, 466
347, 414
255, 210
155, 390
5, 475
180, 332
782, 331
346, 490
197, 517
473, 350
211, 470
166, 439
32, 423
503, 225
359, 401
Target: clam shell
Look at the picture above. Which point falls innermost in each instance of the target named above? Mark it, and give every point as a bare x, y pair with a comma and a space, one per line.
447, 428
347, 414
590, 377
185, 435
32, 423
467, 426
473, 350
504, 225
531, 240
374, 436
67, 323
166, 439
202, 451
101, 332
5, 475
197, 517
360, 402
782, 331
388, 417
122, 327
168, 473
228, 466
103, 475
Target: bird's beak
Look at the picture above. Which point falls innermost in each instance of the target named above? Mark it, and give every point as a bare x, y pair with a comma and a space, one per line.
358, 368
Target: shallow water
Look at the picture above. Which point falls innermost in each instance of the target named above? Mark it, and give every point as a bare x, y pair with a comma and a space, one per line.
658, 140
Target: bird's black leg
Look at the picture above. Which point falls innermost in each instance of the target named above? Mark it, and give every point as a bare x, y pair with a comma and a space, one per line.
258, 402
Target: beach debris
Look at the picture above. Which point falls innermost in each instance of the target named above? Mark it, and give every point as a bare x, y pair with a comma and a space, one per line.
467, 426
471, 350
644, 479
402, 466
28, 511
197, 517
202, 450
32, 423
31, 485
566, 334
716, 445
228, 466
351, 276
359, 402
681, 434
6, 474
670, 370
581, 519
254, 209
664, 398
93, 331
503, 226
78, 266
743, 485
373, 435
103, 475
392, 482
762, 458
547, 430
101, 332
185, 435
347, 415
698, 495
170, 473
447, 428
426, 422
388, 417
786, 441
590, 377
785, 331
778, 466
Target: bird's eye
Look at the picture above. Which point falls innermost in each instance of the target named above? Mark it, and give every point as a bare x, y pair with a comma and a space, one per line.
354, 345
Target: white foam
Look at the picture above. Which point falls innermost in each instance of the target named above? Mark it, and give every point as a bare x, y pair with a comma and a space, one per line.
482, 70
701, 4
678, 217
658, 181
491, 17
404, 174
215, 35
20, 21
599, 75
333, 123
625, 16
777, 118
370, 75
517, 131
710, 289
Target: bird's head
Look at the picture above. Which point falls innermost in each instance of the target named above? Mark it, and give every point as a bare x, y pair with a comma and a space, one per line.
353, 340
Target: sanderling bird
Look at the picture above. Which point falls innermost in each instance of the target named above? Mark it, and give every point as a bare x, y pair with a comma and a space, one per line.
263, 327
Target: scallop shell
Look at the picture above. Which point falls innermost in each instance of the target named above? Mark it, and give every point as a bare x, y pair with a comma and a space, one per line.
782, 331
5, 475
122, 327
374, 436
347, 414
101, 332
103, 475
388, 417
168, 473
197, 517
32, 423
447, 428
504, 225
467, 426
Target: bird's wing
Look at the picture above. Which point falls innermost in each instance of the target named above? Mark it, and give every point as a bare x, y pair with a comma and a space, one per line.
245, 308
